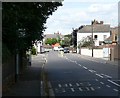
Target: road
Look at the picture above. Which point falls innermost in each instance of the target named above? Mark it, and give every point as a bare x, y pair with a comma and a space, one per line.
73, 75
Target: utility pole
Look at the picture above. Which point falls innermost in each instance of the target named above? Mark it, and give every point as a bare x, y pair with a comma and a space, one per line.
92, 38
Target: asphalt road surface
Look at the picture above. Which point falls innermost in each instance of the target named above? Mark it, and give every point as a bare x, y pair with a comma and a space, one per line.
73, 75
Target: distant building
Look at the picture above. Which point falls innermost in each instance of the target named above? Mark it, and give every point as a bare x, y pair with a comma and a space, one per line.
39, 46
55, 35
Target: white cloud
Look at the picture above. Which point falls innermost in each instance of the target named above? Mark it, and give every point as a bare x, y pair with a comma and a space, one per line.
96, 8
72, 15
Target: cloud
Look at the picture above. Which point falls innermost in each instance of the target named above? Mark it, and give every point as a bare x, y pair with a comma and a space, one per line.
102, 8
73, 14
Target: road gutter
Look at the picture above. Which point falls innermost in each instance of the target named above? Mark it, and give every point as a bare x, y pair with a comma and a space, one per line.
46, 88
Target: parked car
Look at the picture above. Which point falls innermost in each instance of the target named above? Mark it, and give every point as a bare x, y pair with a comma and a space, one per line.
66, 50
60, 48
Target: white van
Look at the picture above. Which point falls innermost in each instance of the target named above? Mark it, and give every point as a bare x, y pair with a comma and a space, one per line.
58, 49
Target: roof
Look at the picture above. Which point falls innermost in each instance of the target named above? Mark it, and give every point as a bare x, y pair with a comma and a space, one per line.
96, 28
52, 35
57, 45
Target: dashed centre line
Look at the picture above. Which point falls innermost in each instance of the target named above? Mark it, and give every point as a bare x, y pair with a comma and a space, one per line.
99, 75
113, 83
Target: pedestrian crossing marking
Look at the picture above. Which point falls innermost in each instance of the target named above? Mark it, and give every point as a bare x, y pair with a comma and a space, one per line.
59, 85
77, 84
66, 85
101, 82
80, 89
70, 84
87, 88
92, 88
72, 89
107, 85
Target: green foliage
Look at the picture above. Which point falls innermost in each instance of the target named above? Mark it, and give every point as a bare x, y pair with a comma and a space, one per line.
67, 40
23, 23
5, 53
51, 41
86, 42
74, 38
33, 51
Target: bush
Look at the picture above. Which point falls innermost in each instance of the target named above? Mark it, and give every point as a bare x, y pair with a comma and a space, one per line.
33, 51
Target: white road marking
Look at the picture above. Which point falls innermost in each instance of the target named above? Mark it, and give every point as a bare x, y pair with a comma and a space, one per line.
77, 84
96, 79
81, 83
51, 92
89, 84
99, 75
63, 90
80, 89
92, 70
108, 76
107, 85
84, 67
113, 83
87, 88
70, 84
115, 90
72, 89
101, 82
59, 85
66, 85
79, 64
98, 87
92, 88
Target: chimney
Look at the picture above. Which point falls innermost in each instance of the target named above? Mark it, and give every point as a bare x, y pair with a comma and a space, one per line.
101, 22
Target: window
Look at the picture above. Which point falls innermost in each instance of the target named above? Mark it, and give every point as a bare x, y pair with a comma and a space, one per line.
116, 38
104, 37
95, 37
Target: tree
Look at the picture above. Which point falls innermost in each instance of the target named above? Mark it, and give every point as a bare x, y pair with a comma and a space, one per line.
23, 23
68, 39
74, 37
51, 41
86, 42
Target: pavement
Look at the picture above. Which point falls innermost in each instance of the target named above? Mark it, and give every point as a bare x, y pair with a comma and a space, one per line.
29, 83
100, 60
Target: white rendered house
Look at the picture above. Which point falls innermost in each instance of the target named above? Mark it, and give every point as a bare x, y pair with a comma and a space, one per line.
99, 31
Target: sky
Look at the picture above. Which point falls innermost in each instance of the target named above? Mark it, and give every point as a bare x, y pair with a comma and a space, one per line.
75, 13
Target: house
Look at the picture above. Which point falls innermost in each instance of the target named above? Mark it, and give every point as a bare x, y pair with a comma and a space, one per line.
55, 35
113, 43
58, 36
39, 46
97, 30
